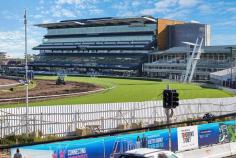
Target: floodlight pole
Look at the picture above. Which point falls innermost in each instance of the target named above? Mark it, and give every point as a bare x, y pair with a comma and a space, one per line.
26, 73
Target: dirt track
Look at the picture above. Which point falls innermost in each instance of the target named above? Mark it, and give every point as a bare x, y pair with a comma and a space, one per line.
6, 81
48, 87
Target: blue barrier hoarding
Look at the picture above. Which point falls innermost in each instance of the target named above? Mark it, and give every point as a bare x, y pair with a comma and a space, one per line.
117, 145
183, 138
208, 134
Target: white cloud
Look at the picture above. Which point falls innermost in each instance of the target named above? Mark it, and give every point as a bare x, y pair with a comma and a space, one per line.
67, 13
60, 11
75, 8
136, 3
82, 4
68, 2
188, 3
205, 9
125, 8
38, 16
171, 8
223, 39
96, 11
163, 6
180, 14
12, 42
227, 23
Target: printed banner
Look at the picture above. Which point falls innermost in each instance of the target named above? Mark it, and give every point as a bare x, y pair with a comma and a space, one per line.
182, 138
187, 138
208, 134
109, 147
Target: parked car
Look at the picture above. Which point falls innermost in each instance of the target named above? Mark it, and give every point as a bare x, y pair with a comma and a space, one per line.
149, 153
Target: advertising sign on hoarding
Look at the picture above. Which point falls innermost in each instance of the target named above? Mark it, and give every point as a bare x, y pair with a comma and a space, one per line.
187, 138
109, 147
208, 134
182, 138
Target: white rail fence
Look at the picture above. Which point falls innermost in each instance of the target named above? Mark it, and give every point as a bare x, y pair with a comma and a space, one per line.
62, 119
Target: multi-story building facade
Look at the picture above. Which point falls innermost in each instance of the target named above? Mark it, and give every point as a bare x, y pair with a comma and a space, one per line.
189, 32
112, 46
172, 63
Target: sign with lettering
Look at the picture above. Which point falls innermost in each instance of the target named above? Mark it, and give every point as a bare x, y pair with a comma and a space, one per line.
182, 138
187, 138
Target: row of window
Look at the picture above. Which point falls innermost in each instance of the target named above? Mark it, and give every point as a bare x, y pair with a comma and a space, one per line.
224, 57
180, 68
112, 38
102, 29
164, 68
92, 51
98, 60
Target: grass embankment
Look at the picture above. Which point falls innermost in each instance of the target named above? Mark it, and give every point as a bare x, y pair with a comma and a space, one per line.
125, 90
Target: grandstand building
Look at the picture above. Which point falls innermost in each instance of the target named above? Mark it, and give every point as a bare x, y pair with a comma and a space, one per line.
110, 46
172, 63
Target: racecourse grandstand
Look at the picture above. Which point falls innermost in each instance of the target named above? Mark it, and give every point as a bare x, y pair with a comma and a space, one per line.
116, 46
113, 46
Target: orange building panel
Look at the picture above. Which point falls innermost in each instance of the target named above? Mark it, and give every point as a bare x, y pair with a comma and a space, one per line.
162, 32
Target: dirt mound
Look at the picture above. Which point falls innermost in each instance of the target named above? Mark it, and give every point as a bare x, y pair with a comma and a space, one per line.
48, 88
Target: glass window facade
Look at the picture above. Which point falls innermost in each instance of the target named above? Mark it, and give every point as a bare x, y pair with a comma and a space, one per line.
102, 48
113, 38
102, 29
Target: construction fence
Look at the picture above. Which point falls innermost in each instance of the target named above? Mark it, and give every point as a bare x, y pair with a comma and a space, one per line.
62, 120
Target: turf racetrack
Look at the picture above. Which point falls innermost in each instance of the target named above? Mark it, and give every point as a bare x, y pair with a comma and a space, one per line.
125, 90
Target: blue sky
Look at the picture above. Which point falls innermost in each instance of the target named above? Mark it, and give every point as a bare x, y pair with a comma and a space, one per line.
220, 14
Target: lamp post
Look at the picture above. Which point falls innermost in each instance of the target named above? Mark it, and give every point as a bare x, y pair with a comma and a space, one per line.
26, 73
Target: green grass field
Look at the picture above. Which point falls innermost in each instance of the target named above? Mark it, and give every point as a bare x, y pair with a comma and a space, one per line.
129, 91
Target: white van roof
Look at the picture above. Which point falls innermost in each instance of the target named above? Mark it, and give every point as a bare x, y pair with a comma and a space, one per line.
143, 151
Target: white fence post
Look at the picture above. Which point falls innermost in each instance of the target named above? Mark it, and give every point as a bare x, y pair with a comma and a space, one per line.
1, 129
102, 124
118, 117
41, 123
132, 114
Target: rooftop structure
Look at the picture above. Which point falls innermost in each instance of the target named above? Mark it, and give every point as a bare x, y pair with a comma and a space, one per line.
106, 21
